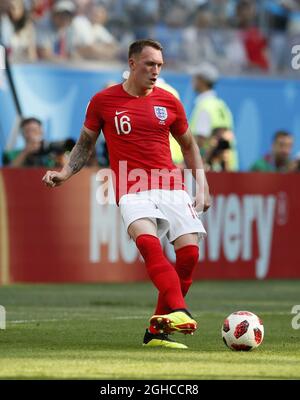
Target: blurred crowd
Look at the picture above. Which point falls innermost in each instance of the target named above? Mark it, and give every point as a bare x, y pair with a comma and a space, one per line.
211, 123
208, 37
236, 35
219, 152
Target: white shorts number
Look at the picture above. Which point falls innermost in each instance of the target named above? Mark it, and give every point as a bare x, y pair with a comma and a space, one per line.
123, 125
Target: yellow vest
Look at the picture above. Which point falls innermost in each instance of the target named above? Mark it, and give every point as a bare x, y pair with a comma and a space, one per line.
217, 109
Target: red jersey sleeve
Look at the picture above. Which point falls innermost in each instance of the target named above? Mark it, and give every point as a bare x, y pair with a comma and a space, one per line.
93, 118
180, 125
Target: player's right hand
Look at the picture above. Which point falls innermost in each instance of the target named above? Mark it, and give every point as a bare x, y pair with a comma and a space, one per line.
54, 178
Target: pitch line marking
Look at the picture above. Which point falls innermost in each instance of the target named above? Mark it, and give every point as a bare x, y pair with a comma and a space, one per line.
29, 321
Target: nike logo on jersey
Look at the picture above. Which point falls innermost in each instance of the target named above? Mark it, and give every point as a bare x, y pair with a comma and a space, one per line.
120, 112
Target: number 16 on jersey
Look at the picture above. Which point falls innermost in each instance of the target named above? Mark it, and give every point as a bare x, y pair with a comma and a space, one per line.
123, 125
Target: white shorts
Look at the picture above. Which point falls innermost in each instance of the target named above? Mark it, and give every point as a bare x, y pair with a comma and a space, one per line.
171, 210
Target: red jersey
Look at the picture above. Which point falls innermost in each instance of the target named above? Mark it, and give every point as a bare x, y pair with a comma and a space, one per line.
136, 131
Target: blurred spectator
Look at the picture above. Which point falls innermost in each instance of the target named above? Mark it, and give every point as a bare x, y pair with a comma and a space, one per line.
119, 24
55, 36
254, 40
83, 7
221, 10
68, 33
37, 153
18, 32
188, 7
40, 8
143, 15
293, 27
197, 42
59, 39
277, 15
283, 21
104, 44
216, 43
279, 159
277, 20
210, 112
170, 34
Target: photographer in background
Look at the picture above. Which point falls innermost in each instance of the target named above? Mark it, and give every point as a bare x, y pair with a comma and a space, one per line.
37, 153
219, 153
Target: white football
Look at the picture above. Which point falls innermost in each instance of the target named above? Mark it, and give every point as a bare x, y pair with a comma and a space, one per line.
242, 331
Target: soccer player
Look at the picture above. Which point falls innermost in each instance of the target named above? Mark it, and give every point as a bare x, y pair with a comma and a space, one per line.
136, 118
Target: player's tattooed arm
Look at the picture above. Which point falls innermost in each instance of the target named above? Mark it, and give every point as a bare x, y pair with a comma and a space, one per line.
79, 156
81, 152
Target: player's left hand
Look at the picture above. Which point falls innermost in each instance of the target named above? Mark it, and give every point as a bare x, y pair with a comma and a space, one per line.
207, 202
54, 178
202, 200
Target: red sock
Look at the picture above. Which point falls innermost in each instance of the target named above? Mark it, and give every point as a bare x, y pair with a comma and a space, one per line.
186, 260
161, 306
161, 271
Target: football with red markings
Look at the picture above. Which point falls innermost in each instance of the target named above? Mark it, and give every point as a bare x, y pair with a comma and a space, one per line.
242, 331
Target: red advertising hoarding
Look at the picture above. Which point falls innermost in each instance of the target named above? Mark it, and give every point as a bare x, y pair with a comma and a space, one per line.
64, 235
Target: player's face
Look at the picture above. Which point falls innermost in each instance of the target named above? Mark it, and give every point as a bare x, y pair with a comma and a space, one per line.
146, 67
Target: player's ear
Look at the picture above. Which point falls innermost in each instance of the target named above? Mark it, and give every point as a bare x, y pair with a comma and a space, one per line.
132, 63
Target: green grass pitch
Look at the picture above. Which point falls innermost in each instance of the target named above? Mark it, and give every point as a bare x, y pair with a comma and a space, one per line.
95, 331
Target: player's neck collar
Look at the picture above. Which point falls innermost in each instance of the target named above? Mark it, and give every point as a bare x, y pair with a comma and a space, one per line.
130, 93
